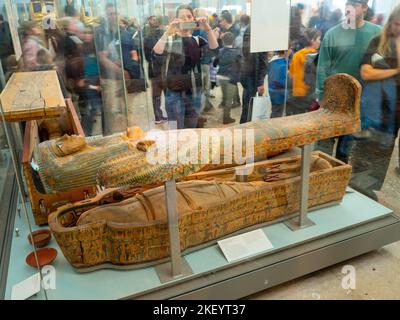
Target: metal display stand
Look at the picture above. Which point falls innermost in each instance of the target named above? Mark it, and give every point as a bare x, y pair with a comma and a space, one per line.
178, 267
303, 221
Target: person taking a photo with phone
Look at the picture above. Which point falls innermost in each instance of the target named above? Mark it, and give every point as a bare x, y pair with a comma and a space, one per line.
181, 53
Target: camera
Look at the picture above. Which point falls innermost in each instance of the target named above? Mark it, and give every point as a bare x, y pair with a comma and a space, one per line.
188, 25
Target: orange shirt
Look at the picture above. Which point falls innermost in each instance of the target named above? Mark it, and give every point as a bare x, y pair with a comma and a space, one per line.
300, 89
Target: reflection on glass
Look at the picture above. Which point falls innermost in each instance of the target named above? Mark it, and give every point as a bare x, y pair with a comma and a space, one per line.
6, 47
123, 83
179, 53
145, 63
7, 67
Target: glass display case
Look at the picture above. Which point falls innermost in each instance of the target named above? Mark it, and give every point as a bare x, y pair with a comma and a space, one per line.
153, 130
7, 179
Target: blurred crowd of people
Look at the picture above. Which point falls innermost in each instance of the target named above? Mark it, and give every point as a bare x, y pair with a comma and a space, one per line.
358, 43
354, 42
185, 61
107, 68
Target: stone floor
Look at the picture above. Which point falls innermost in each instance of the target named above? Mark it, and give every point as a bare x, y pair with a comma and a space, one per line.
377, 277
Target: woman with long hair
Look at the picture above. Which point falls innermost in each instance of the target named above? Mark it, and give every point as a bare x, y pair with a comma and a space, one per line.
380, 112
380, 71
181, 53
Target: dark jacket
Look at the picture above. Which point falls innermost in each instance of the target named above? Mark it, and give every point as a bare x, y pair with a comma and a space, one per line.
74, 59
254, 66
6, 47
182, 58
121, 44
73, 46
310, 71
70, 10
229, 62
151, 37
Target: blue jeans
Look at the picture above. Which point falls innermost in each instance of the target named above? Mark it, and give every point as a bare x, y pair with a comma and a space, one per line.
183, 107
376, 95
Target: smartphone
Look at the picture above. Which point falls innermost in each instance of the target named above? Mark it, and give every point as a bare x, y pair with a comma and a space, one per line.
188, 25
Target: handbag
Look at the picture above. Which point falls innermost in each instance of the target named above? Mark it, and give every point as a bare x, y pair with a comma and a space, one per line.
135, 85
261, 108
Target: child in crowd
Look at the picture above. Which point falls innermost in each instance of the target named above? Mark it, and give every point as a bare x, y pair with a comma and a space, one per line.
302, 96
228, 61
277, 82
